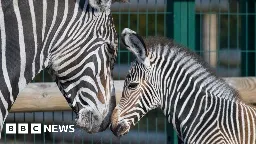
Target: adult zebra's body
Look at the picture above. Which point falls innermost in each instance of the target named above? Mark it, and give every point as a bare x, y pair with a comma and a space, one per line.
76, 40
201, 107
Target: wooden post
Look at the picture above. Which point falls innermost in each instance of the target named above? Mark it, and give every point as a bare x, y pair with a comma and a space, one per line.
209, 29
210, 38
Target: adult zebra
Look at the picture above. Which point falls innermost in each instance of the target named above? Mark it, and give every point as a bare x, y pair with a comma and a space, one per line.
76, 40
201, 107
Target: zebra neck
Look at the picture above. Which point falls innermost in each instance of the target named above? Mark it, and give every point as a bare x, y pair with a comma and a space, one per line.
185, 83
192, 100
30, 31
23, 54
182, 73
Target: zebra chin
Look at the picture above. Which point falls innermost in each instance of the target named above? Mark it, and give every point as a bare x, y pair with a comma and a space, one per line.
119, 128
91, 121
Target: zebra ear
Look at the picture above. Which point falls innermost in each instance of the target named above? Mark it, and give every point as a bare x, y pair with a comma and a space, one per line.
104, 4
101, 4
122, 1
135, 44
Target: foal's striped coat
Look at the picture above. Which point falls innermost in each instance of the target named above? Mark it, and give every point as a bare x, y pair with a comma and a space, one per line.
201, 107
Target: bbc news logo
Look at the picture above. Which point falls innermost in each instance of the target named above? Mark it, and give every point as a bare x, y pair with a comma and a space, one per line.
36, 128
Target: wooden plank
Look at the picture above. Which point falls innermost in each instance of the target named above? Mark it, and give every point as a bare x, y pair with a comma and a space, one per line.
246, 86
40, 97
47, 97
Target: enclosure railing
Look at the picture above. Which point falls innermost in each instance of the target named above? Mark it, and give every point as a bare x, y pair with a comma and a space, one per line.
46, 100
47, 97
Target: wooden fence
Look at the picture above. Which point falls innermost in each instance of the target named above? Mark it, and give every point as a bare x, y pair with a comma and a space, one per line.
47, 97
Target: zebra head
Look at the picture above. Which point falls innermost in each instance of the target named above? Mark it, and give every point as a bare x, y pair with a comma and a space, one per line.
83, 70
136, 98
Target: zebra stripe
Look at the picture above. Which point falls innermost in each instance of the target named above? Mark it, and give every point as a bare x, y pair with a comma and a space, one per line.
33, 18
3, 50
201, 107
75, 40
22, 80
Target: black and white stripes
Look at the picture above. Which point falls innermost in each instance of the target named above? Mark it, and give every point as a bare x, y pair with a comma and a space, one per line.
74, 39
201, 107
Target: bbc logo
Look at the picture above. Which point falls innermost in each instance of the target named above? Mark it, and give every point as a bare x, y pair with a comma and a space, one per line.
35, 128
11, 128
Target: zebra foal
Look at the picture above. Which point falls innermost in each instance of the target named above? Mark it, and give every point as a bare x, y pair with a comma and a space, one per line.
201, 107
75, 39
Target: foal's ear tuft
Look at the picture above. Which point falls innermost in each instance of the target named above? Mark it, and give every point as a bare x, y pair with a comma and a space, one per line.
139, 46
135, 44
121, 1
101, 4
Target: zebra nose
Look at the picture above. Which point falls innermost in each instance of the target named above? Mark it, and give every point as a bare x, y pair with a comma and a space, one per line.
121, 129
115, 130
89, 120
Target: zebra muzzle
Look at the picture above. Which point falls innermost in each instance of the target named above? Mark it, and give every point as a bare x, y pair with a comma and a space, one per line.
89, 120
120, 129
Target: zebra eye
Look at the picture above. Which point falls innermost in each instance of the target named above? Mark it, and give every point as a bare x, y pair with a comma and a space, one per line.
133, 85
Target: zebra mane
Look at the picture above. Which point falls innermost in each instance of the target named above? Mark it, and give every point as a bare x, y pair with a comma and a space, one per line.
154, 43
162, 46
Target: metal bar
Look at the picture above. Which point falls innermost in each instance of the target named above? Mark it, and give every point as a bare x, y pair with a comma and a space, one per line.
184, 18
191, 25
247, 38
172, 31
177, 21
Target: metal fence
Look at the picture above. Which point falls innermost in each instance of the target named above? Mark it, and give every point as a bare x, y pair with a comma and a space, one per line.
221, 31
